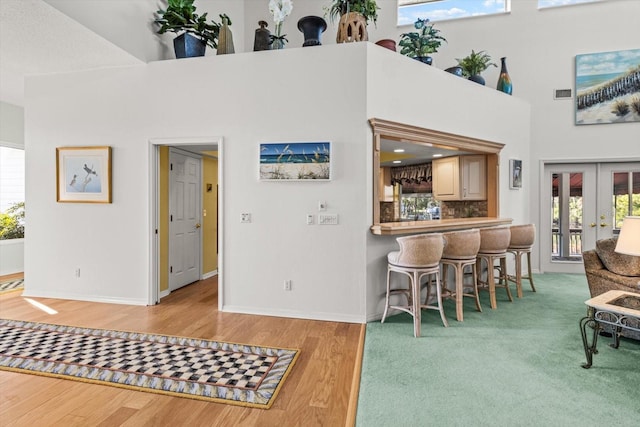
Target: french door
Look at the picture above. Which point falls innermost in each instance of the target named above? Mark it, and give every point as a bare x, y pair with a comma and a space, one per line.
583, 203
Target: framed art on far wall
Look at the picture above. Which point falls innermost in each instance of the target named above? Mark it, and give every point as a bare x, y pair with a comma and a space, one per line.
83, 174
515, 174
295, 161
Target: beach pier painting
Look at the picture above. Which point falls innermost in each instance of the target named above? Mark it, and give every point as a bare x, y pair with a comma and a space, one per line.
608, 87
295, 161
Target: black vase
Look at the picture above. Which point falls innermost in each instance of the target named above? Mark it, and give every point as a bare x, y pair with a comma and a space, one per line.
312, 27
456, 70
477, 78
188, 46
504, 81
424, 59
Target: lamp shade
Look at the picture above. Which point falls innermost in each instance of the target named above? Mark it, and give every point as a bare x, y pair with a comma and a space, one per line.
629, 238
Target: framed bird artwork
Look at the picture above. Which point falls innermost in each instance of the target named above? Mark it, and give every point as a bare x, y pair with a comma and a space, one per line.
83, 174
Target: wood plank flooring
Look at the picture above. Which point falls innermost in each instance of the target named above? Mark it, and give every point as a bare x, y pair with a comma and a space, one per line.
317, 393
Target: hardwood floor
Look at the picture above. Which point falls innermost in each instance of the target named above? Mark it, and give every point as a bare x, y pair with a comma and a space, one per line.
318, 392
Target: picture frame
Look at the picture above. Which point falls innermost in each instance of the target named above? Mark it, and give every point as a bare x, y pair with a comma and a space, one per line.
606, 87
515, 174
295, 161
83, 174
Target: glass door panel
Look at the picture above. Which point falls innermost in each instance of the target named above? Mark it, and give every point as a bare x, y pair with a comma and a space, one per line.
568, 208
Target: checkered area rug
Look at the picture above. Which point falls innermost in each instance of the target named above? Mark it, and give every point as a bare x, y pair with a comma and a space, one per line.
12, 285
185, 367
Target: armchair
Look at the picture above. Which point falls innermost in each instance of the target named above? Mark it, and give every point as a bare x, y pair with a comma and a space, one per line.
607, 270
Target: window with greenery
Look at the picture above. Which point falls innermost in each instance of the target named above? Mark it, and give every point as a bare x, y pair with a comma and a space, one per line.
626, 196
543, 4
11, 193
442, 10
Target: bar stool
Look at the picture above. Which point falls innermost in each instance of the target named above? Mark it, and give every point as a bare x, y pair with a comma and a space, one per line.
493, 247
522, 240
460, 252
419, 256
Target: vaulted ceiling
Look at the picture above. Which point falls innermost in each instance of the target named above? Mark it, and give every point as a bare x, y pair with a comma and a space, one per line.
36, 38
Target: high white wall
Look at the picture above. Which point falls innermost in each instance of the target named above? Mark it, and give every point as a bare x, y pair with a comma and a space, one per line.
289, 95
11, 125
404, 90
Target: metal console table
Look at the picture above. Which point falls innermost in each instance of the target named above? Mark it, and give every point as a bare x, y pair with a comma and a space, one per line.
613, 308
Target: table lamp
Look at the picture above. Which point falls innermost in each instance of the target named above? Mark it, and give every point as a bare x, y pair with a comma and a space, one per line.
629, 238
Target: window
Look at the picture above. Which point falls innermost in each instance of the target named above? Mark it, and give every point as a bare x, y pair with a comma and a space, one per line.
11, 193
626, 196
442, 10
543, 4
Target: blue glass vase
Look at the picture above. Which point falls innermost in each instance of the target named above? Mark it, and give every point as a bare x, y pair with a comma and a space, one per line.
504, 81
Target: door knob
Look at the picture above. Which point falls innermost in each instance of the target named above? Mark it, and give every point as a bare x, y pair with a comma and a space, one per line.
198, 225
593, 224
603, 224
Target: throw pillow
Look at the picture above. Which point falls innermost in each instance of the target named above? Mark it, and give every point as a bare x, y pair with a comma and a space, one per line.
624, 265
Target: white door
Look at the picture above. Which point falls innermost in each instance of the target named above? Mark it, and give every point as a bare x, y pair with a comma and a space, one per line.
184, 218
568, 212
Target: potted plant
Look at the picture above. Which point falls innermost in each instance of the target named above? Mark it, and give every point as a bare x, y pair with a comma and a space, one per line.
195, 32
353, 15
420, 44
474, 64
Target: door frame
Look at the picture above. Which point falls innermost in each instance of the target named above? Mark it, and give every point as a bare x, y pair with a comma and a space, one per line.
541, 190
154, 210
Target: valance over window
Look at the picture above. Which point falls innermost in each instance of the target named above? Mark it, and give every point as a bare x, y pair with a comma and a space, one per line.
414, 174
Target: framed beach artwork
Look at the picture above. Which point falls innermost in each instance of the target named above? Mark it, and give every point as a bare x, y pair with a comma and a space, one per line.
83, 174
295, 161
608, 87
515, 174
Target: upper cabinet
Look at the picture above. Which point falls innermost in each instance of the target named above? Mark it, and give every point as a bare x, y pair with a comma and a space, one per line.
460, 178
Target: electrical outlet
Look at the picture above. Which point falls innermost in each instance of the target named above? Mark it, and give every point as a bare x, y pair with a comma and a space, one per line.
245, 218
309, 219
287, 285
322, 205
77, 273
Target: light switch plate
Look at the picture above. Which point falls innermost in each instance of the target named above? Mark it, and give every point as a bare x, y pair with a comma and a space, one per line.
328, 219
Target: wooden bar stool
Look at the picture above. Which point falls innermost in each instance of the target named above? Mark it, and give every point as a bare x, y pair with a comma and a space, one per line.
494, 242
419, 256
460, 252
522, 239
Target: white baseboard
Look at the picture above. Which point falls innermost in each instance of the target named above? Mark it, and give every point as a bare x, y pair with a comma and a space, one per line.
329, 317
81, 297
209, 274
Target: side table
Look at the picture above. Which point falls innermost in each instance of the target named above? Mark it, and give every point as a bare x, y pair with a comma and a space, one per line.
613, 308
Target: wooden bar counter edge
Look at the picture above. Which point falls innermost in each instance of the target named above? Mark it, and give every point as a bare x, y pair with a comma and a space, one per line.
436, 225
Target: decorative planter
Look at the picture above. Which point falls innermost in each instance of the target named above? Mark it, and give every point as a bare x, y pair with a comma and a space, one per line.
312, 27
424, 59
352, 28
388, 43
455, 71
188, 46
477, 78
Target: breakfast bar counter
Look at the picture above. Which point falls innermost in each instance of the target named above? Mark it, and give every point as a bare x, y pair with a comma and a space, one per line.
436, 225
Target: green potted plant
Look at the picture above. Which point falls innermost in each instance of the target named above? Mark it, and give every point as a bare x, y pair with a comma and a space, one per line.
196, 33
474, 64
420, 44
353, 16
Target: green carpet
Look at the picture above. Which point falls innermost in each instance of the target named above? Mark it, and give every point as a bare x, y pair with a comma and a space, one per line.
519, 365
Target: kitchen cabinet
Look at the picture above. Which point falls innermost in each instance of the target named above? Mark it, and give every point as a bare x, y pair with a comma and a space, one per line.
460, 178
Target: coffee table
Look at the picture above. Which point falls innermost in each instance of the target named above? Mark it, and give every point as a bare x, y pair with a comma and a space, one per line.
613, 308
